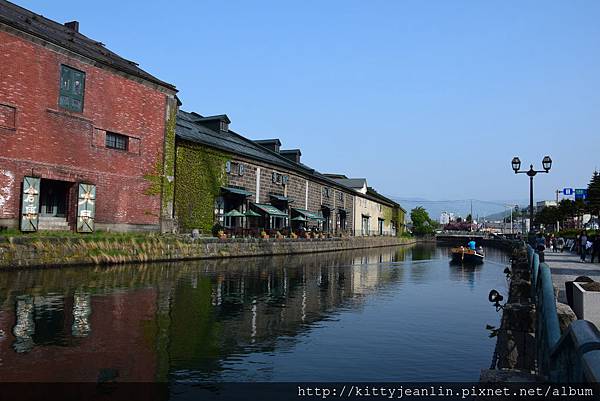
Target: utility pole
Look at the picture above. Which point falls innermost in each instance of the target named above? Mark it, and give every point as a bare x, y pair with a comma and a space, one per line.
558, 191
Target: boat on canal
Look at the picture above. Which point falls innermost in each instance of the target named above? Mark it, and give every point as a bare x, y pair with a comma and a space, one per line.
463, 254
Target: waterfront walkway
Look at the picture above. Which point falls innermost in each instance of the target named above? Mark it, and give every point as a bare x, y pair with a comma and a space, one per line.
567, 266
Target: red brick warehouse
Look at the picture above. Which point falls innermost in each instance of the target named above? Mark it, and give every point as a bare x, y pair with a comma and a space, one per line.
82, 130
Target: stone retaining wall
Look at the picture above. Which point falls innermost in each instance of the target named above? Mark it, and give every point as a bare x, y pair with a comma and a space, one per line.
19, 252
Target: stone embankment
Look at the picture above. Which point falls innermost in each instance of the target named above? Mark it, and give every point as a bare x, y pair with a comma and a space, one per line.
24, 251
515, 354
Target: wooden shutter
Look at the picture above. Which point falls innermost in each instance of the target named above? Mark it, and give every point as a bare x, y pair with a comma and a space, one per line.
30, 204
86, 208
72, 88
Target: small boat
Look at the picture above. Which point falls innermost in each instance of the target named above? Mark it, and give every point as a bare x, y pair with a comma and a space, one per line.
464, 254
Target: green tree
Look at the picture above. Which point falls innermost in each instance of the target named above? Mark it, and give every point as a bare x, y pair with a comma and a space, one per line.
548, 215
422, 223
593, 195
469, 218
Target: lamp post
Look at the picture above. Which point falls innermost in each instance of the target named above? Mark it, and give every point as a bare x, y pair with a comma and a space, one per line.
516, 166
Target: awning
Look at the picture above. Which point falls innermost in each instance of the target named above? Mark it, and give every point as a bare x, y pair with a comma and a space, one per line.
309, 215
281, 198
234, 213
341, 210
251, 213
270, 210
299, 218
236, 191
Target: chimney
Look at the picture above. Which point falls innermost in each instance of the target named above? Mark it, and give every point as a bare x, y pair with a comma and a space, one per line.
271, 144
73, 25
291, 154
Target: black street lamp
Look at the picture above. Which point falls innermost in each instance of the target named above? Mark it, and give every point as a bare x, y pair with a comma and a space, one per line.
516, 166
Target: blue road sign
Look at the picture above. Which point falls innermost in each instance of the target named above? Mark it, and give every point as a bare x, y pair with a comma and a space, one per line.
580, 194
568, 191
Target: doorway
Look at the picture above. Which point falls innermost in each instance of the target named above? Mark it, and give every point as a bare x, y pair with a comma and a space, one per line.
53, 198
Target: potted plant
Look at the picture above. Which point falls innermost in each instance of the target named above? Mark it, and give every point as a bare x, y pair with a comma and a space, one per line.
586, 301
293, 235
264, 235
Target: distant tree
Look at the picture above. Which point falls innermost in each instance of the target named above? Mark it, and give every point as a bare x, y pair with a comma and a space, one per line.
548, 215
469, 218
422, 223
593, 194
459, 219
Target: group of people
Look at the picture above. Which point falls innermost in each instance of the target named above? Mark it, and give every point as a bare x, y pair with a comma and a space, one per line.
588, 245
550, 242
583, 245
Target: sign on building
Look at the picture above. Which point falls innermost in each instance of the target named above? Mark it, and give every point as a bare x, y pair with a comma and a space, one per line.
30, 204
567, 191
86, 208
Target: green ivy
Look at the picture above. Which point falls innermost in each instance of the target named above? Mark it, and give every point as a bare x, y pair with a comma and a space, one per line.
200, 176
164, 168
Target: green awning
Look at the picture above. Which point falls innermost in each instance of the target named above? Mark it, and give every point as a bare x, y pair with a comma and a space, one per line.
309, 215
281, 198
251, 213
299, 218
234, 213
236, 191
270, 210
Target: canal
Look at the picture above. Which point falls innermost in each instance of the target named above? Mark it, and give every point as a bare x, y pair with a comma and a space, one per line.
386, 314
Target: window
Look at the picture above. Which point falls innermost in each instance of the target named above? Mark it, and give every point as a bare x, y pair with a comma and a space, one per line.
220, 210
72, 86
224, 126
116, 141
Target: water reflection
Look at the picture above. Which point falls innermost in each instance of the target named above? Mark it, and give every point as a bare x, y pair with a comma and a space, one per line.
235, 319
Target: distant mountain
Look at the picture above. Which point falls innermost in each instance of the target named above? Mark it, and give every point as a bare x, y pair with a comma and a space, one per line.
462, 207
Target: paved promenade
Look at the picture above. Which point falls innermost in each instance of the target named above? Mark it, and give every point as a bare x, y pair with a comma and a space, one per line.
566, 266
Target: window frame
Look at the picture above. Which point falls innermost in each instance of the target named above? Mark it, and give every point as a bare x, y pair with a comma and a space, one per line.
116, 136
69, 93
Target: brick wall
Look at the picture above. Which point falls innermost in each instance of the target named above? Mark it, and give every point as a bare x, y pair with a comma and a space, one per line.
39, 138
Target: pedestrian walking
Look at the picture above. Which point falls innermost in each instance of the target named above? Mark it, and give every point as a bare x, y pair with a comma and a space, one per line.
583, 240
596, 248
560, 242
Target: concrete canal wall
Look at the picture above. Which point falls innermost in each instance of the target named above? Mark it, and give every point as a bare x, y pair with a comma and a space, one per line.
21, 252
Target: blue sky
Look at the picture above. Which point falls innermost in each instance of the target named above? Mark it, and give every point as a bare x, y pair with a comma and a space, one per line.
425, 99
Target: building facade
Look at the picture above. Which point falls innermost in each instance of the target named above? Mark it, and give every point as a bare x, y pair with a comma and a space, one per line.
225, 179
82, 131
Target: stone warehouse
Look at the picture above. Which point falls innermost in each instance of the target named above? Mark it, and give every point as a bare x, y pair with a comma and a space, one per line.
226, 180
88, 141
82, 131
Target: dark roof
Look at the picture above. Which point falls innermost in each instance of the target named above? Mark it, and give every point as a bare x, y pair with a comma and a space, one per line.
291, 152
351, 182
268, 141
67, 38
221, 117
189, 129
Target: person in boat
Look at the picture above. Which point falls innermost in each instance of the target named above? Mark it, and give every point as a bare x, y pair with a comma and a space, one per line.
480, 250
471, 244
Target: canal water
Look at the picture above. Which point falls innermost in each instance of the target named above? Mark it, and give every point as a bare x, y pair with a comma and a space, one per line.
385, 314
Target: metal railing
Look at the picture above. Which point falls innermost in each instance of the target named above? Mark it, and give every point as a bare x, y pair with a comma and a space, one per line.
572, 357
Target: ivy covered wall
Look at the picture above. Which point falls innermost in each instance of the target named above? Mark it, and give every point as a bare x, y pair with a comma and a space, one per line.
161, 179
199, 175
